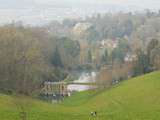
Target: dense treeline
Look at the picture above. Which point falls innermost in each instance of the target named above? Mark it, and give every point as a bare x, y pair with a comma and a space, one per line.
136, 36
29, 56
125, 44
22, 63
133, 31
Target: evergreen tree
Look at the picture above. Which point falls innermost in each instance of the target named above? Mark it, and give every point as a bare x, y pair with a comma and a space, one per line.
142, 64
89, 57
104, 58
56, 60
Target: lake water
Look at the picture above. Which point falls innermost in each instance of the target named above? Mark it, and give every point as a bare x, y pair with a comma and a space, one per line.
86, 77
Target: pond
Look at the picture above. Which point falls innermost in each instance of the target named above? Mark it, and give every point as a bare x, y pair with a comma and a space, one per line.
84, 78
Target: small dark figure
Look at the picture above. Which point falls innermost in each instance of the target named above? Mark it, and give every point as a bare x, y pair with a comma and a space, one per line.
94, 114
23, 115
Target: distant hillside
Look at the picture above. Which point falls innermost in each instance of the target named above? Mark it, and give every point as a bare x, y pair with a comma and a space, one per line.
135, 99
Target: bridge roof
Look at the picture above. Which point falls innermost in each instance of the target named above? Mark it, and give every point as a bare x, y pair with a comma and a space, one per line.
54, 83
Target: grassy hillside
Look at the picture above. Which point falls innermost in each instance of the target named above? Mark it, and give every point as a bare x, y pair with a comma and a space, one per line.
136, 99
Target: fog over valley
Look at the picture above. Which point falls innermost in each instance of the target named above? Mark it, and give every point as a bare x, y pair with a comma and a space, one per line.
39, 12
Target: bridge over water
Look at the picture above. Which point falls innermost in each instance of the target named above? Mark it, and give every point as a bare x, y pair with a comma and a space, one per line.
63, 88
85, 82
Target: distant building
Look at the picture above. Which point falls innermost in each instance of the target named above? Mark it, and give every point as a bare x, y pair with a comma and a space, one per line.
80, 28
109, 43
130, 57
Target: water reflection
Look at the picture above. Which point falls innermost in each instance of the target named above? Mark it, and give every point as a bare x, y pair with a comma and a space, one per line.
77, 87
84, 78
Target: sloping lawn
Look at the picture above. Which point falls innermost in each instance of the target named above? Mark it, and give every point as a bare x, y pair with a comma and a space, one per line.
135, 99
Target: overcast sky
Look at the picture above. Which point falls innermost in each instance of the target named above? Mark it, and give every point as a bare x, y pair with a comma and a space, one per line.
24, 3
33, 10
147, 3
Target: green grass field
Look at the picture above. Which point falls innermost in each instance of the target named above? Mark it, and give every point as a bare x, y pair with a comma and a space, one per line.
135, 99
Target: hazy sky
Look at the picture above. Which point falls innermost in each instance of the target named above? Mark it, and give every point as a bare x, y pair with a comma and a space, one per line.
27, 3
38, 11
147, 3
